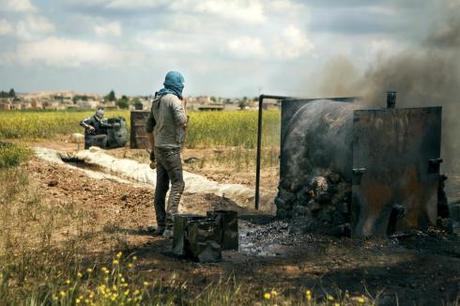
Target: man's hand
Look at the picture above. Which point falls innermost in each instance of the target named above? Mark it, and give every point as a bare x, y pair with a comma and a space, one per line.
91, 129
153, 163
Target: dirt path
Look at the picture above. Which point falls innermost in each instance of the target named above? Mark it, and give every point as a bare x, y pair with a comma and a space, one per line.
422, 269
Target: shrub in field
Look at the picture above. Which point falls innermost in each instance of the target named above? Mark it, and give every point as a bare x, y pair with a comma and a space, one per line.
12, 155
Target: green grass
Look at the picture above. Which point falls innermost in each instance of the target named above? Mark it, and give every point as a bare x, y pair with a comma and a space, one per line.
11, 155
44, 124
238, 128
232, 128
36, 268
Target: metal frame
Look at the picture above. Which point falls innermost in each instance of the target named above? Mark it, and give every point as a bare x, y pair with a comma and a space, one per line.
259, 142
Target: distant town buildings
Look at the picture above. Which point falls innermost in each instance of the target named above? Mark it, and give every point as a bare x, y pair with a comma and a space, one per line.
68, 100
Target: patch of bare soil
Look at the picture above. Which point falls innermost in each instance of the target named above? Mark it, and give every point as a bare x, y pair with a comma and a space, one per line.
209, 162
423, 269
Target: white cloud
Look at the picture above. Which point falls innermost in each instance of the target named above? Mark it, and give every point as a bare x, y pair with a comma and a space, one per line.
289, 44
136, 4
166, 41
62, 52
5, 27
33, 27
246, 46
250, 11
17, 6
107, 29
292, 43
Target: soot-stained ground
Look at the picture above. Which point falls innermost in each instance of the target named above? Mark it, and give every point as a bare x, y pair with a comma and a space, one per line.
422, 269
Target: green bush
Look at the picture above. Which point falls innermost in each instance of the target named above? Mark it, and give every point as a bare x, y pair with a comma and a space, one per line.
11, 155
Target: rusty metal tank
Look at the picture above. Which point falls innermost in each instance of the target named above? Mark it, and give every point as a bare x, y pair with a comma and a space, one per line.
387, 158
316, 137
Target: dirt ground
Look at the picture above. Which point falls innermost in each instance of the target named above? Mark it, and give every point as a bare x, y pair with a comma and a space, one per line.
421, 269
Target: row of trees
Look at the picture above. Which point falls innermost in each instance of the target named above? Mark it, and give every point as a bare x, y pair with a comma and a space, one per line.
9, 94
122, 102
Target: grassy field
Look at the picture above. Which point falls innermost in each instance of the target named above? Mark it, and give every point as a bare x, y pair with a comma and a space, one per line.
235, 128
38, 268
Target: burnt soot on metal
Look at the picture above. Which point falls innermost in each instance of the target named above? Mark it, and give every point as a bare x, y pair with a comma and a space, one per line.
365, 172
203, 238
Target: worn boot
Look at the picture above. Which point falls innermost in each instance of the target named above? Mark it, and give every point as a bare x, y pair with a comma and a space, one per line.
168, 231
159, 230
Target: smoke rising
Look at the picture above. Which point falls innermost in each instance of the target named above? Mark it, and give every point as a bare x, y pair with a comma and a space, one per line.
426, 75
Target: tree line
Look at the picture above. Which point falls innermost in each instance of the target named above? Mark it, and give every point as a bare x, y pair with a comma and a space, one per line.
8, 94
122, 102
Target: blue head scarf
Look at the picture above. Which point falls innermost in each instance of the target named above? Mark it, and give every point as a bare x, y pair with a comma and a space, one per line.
173, 84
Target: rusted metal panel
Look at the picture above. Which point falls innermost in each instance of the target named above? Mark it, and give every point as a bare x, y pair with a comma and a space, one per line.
138, 139
396, 156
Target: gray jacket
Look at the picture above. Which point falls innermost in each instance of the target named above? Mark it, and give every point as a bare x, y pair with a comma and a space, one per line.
167, 120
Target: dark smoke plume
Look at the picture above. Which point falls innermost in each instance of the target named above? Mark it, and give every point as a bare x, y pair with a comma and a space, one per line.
428, 75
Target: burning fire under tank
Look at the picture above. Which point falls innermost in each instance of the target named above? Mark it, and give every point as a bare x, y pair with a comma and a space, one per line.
349, 170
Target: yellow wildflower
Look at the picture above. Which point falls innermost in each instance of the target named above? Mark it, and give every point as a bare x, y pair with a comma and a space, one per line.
79, 275
308, 295
130, 265
62, 293
267, 295
134, 258
329, 297
115, 262
361, 300
146, 284
119, 254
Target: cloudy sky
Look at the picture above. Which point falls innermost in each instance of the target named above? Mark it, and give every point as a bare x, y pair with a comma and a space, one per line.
225, 48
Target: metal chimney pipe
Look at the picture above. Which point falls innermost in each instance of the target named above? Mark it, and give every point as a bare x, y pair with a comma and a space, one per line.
391, 99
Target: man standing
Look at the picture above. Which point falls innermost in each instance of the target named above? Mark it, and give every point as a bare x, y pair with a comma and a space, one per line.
165, 127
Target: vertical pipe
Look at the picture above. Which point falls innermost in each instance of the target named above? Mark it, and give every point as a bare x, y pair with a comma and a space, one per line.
259, 145
391, 99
